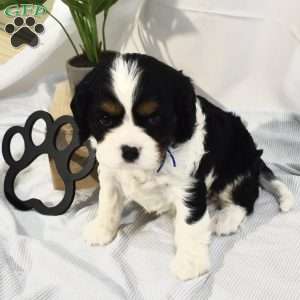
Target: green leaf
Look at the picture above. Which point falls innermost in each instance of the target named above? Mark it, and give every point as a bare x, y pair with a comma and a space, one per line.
6, 3
99, 6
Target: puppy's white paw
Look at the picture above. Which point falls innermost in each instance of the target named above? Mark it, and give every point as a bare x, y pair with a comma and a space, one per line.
96, 234
186, 267
228, 220
287, 202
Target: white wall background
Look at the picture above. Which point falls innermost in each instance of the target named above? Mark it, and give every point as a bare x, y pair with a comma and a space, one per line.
244, 53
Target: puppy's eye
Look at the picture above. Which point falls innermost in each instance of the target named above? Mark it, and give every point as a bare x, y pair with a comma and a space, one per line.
153, 119
106, 120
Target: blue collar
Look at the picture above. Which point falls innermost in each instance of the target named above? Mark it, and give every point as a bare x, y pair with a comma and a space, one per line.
164, 159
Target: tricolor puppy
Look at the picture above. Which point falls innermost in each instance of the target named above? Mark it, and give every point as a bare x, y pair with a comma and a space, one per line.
160, 145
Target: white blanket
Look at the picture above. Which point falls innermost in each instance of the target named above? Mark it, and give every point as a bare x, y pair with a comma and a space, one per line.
46, 258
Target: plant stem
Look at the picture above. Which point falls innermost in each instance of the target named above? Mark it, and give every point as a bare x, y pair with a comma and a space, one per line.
64, 29
103, 29
84, 34
94, 36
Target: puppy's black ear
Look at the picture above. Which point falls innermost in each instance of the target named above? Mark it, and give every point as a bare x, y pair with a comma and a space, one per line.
185, 108
85, 92
79, 107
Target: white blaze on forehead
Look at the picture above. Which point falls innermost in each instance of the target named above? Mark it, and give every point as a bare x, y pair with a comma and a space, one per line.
125, 77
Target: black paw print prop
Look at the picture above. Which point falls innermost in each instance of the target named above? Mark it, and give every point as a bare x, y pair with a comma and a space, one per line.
31, 152
24, 32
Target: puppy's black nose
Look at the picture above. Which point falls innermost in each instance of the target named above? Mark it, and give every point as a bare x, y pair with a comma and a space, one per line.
130, 154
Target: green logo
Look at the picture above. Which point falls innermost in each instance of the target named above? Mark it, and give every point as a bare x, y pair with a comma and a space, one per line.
24, 28
24, 10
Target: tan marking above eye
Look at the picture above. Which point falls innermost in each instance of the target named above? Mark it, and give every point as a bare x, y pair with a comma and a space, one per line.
147, 108
111, 107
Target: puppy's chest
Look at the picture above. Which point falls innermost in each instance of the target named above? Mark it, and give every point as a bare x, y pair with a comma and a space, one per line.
147, 189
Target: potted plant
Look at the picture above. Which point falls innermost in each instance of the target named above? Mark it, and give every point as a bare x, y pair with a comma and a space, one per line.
84, 13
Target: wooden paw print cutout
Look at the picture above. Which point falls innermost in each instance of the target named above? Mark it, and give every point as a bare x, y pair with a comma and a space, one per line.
32, 151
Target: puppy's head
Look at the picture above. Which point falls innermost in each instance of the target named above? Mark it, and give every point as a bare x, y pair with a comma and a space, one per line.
135, 107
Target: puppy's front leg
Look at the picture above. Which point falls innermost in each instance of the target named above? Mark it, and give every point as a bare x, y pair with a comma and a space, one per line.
104, 227
192, 242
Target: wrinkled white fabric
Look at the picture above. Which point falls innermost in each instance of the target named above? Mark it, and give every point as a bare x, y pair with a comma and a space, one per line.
246, 54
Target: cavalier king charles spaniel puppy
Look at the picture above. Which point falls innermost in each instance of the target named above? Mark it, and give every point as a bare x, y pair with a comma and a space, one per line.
159, 144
